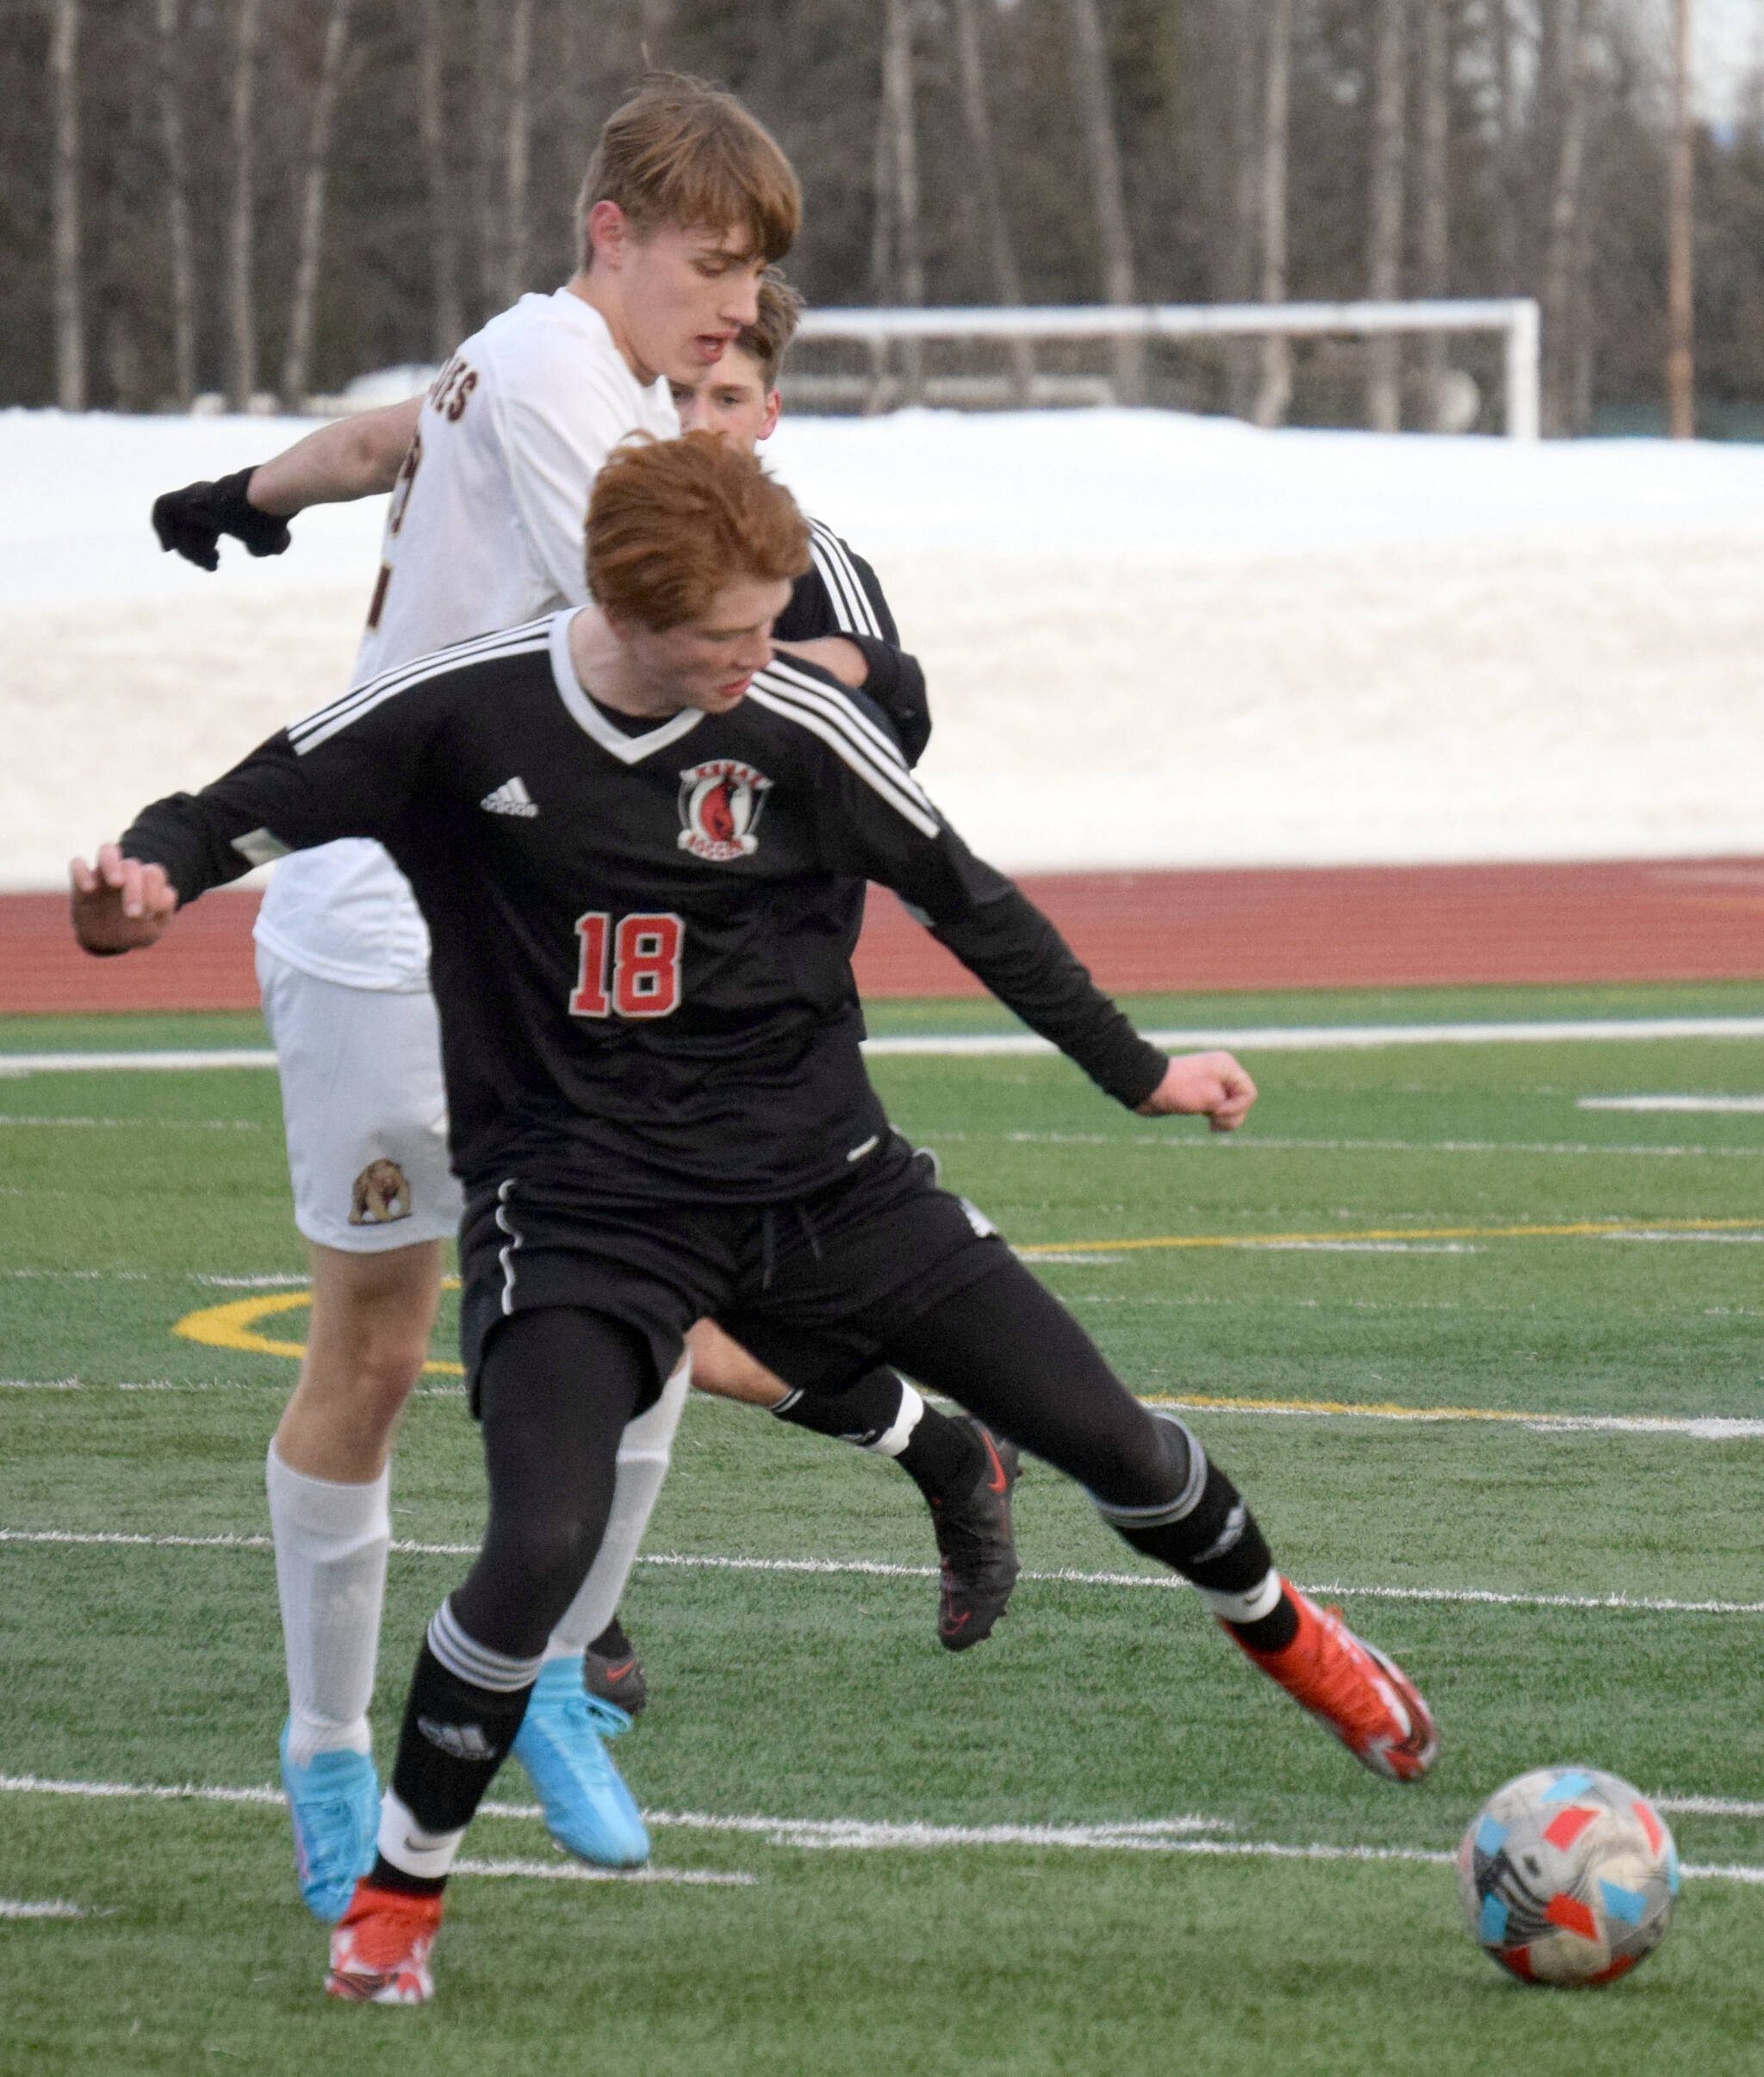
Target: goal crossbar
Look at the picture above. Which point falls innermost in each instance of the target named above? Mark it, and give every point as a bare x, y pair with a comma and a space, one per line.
1515, 317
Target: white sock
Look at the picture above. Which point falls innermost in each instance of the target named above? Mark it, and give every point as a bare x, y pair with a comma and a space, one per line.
331, 1546
1249, 1607
900, 1431
644, 1452
404, 1843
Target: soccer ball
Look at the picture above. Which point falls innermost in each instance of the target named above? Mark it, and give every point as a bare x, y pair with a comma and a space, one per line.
1567, 1876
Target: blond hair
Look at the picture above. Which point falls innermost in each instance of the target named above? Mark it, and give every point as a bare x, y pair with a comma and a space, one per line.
684, 154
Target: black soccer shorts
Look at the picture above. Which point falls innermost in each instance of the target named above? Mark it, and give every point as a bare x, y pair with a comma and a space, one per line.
812, 1287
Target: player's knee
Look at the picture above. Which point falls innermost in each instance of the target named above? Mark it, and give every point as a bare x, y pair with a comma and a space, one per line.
1157, 1469
551, 1553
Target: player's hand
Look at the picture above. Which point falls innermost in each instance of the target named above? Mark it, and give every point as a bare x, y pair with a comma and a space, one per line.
1213, 1084
192, 521
841, 659
120, 904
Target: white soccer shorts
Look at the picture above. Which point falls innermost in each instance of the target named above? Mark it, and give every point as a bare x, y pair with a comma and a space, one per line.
365, 1110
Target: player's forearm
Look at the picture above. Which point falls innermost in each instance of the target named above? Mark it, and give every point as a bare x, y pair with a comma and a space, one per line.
350, 458
1011, 947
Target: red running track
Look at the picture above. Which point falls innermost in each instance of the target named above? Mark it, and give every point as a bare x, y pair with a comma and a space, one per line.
1140, 933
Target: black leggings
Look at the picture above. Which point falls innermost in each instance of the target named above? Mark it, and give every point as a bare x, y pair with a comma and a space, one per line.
1009, 1351
556, 1389
558, 1384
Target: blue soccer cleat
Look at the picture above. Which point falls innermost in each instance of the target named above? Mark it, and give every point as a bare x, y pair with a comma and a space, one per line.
335, 1806
588, 1810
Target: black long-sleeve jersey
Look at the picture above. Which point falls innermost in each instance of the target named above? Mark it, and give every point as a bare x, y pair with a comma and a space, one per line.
642, 942
839, 594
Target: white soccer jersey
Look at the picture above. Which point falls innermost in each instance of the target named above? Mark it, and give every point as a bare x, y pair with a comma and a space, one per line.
485, 530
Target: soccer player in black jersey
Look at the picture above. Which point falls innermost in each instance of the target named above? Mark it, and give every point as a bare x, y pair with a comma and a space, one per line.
632, 835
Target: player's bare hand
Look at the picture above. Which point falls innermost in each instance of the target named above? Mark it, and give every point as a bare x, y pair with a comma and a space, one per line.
1211, 1084
843, 659
119, 903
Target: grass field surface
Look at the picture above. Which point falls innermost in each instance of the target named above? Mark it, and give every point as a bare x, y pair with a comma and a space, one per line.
1487, 1363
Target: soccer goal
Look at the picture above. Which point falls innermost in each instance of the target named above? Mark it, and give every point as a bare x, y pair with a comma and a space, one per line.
1515, 319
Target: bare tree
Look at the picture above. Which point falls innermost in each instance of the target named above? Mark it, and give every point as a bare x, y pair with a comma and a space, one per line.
1506, 228
1088, 56
897, 167
241, 299
1274, 392
1434, 197
1384, 226
296, 363
183, 279
64, 209
1680, 233
517, 158
1576, 34
447, 326
1007, 283
489, 157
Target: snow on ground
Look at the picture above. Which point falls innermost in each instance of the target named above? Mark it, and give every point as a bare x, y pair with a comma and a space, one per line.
1150, 639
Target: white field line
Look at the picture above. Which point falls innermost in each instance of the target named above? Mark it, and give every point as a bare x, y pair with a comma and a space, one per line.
1724, 1105
1168, 1836
14, 1907
141, 1124
1720, 1240
1708, 1807
1260, 1038
875, 1568
1255, 1142
577, 1871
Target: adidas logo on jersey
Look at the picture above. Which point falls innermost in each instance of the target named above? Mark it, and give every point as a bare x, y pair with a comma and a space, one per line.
511, 798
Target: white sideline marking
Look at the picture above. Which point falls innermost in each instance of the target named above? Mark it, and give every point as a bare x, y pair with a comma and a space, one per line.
1660, 1238
1321, 1038
142, 1124
1261, 1143
175, 1062
576, 1871
1724, 1105
1154, 1835
1262, 1038
12, 1907
1709, 1806
875, 1568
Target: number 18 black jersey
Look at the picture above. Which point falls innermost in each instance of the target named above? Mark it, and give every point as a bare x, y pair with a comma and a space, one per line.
642, 941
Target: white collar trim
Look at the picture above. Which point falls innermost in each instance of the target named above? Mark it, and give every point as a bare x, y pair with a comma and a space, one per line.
629, 749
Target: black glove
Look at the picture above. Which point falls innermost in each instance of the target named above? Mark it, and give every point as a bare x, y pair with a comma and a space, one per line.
192, 521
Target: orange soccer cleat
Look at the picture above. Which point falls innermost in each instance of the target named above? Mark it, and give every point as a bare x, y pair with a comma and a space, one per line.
1365, 1699
379, 1947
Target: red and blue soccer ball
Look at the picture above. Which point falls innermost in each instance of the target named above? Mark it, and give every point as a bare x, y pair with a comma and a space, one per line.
1567, 1876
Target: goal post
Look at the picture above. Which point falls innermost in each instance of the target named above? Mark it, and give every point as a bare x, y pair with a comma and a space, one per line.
1516, 318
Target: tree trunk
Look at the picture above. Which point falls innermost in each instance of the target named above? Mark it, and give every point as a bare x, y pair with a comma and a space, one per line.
904, 165
1089, 58
1434, 198
1680, 232
1507, 227
241, 301
64, 210
490, 220
183, 280
447, 326
518, 244
296, 363
1384, 225
1007, 283
1559, 269
1275, 393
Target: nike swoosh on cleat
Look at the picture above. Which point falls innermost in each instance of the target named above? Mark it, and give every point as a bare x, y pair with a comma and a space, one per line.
618, 1672
998, 1483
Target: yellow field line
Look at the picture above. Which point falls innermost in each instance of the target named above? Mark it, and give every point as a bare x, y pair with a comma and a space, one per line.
1590, 1227
233, 1325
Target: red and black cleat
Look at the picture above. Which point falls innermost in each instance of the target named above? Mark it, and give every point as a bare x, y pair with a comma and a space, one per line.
975, 1541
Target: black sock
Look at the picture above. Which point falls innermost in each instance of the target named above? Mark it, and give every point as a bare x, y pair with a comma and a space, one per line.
1215, 1542
384, 1875
612, 1643
454, 1737
944, 1457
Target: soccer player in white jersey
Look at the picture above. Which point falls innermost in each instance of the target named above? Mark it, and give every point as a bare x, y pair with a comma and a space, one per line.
686, 200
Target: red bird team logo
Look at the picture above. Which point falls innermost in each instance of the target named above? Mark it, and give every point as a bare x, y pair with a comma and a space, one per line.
719, 808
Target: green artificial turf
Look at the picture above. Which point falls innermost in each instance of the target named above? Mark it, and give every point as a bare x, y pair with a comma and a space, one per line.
130, 1201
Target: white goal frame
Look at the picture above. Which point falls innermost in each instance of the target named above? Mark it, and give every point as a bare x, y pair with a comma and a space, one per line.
1516, 318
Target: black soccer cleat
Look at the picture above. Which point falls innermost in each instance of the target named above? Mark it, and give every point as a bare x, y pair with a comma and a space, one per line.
612, 1670
980, 1560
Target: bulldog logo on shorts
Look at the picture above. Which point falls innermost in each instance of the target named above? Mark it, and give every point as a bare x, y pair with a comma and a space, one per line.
720, 804
382, 1194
